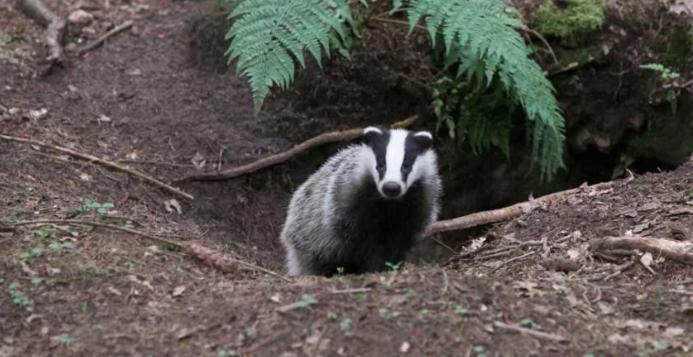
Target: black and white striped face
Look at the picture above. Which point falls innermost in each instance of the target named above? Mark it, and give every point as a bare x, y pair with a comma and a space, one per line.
400, 158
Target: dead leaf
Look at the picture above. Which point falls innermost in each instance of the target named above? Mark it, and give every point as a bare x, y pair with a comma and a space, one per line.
172, 205
38, 114
198, 161
649, 206
132, 156
404, 348
276, 298
103, 119
641, 227
178, 291
646, 261
527, 288
85, 177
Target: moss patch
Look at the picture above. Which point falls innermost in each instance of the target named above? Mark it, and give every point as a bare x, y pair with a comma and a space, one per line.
570, 19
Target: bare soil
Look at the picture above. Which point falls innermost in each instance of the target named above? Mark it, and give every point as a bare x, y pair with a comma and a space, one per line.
147, 99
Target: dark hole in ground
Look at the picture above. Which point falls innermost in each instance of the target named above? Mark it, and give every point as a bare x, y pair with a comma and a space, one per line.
248, 212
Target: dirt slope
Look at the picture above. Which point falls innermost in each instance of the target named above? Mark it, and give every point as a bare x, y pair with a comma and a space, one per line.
67, 290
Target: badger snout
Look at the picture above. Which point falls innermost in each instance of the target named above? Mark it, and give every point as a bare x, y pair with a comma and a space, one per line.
391, 189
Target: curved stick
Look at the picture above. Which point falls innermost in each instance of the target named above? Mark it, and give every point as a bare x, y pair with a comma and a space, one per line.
501, 214
100, 161
322, 139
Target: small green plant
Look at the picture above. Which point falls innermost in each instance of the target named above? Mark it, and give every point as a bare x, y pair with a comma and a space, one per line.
480, 351
384, 312
461, 310
667, 74
18, 297
393, 268
571, 19
340, 271
42, 233
345, 326
65, 340
223, 352
529, 324
665, 88
101, 209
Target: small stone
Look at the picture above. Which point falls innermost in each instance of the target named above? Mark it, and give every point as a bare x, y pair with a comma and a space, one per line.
80, 17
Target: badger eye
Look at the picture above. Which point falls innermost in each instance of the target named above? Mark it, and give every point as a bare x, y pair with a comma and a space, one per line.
380, 167
406, 170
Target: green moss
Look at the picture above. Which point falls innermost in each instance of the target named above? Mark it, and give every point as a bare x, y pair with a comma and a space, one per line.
570, 19
680, 47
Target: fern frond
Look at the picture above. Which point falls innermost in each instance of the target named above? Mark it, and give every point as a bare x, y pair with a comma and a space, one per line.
485, 30
268, 38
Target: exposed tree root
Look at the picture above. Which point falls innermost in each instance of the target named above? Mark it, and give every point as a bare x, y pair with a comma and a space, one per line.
54, 24
678, 251
504, 214
213, 258
99, 41
322, 139
100, 161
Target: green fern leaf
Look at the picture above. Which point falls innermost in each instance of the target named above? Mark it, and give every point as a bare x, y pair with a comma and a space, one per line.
484, 30
269, 37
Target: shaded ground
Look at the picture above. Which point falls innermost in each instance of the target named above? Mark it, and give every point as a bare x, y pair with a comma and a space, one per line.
142, 99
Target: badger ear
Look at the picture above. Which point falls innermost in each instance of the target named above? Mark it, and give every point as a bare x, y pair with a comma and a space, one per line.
424, 139
370, 134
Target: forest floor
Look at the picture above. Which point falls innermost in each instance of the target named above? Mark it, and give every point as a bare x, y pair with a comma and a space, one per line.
141, 100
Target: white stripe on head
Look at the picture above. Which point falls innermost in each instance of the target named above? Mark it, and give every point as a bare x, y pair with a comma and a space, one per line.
372, 129
394, 157
425, 165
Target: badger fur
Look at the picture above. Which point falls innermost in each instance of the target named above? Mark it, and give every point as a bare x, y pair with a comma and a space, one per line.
365, 207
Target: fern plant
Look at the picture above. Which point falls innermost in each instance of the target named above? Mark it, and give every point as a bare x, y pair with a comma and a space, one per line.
269, 38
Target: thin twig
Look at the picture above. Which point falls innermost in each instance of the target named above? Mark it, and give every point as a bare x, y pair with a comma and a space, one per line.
512, 260
99, 41
100, 161
530, 332
100, 225
326, 138
351, 291
440, 243
542, 39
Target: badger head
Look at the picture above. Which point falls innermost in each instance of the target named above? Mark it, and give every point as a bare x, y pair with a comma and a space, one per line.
397, 159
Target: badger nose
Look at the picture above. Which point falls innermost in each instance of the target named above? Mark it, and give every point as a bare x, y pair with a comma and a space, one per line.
392, 189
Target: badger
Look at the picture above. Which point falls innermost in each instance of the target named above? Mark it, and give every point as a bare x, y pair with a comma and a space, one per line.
365, 206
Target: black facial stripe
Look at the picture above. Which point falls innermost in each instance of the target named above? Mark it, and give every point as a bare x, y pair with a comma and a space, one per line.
379, 147
412, 149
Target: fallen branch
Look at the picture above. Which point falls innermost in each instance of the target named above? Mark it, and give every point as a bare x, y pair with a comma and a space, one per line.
503, 214
213, 258
54, 24
678, 251
530, 332
99, 41
100, 161
322, 139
